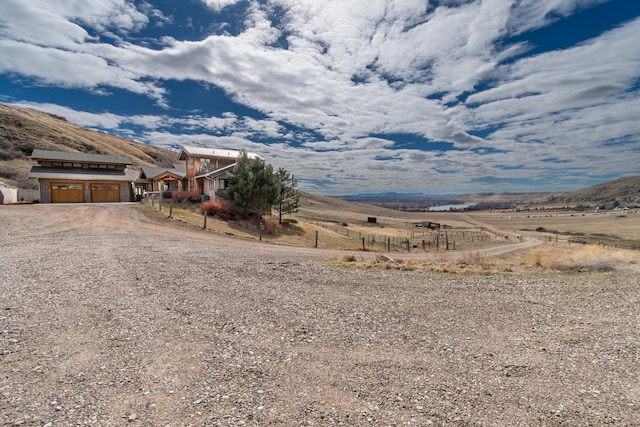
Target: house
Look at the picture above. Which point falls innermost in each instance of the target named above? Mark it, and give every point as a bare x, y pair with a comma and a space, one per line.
157, 180
207, 168
65, 177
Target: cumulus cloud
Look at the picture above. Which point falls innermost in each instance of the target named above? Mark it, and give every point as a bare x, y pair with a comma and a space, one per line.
219, 4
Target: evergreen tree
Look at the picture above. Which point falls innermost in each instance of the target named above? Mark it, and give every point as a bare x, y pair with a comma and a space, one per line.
289, 197
253, 186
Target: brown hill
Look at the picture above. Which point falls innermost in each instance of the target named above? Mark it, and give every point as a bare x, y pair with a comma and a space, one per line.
22, 130
623, 190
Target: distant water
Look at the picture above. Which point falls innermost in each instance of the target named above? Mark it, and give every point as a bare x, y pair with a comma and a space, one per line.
449, 207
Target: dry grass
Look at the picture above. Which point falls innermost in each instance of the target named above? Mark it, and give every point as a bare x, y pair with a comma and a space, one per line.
550, 256
579, 258
563, 258
604, 225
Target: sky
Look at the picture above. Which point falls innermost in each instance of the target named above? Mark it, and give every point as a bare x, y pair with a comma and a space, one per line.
350, 96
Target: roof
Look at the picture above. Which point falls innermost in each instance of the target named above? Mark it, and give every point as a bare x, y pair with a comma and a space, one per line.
179, 171
82, 174
190, 151
217, 172
79, 157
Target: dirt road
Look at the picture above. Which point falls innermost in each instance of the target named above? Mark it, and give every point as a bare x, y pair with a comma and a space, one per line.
108, 318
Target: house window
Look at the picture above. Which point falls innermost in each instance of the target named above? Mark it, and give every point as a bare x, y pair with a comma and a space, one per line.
224, 184
204, 164
190, 162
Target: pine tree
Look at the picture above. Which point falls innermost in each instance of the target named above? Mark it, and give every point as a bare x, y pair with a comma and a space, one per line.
289, 197
253, 186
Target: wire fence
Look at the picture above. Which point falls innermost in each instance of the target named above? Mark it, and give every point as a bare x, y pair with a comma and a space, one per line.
426, 240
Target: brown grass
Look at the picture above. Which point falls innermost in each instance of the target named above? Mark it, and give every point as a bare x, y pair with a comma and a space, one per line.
579, 258
301, 231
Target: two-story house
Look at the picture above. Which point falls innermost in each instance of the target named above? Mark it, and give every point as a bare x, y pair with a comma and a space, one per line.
207, 168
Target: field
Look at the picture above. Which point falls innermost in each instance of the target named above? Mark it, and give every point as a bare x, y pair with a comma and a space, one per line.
505, 239
613, 228
116, 314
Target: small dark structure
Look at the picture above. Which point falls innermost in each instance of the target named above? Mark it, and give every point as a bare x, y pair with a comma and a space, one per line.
372, 220
428, 224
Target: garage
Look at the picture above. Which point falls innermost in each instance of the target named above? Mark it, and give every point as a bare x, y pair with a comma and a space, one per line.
65, 177
105, 192
67, 192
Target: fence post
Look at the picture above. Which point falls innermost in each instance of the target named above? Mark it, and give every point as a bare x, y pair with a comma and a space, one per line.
204, 226
388, 244
170, 209
316, 244
363, 244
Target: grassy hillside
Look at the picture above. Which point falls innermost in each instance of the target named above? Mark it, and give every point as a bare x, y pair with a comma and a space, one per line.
623, 190
22, 130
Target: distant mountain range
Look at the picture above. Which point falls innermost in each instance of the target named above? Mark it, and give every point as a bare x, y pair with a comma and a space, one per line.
22, 130
622, 191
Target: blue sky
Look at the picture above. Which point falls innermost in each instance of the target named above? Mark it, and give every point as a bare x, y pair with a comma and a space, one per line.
352, 96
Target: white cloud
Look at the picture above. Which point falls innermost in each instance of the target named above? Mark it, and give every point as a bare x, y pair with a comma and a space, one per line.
532, 14
219, 4
350, 70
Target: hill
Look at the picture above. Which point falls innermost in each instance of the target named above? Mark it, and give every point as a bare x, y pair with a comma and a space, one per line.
22, 130
623, 190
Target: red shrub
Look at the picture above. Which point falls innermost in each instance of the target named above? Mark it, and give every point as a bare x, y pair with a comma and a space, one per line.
220, 208
185, 196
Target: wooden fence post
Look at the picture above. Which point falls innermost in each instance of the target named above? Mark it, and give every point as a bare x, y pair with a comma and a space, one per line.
170, 209
363, 248
316, 244
204, 226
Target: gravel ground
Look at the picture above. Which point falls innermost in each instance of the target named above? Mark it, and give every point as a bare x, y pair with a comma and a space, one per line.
107, 318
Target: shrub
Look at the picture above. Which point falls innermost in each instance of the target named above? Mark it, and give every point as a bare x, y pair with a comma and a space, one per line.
185, 196
220, 208
271, 224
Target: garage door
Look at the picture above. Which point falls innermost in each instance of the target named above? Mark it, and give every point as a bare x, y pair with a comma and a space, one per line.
66, 192
103, 193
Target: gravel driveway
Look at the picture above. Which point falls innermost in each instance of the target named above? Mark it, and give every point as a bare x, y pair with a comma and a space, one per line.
107, 318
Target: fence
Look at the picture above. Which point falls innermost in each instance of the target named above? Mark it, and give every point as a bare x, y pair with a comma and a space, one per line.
424, 240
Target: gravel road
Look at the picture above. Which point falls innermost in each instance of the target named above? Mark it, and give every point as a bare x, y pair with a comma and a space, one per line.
108, 318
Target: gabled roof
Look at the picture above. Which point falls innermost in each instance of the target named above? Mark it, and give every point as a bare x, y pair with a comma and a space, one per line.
179, 171
79, 157
217, 172
191, 151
